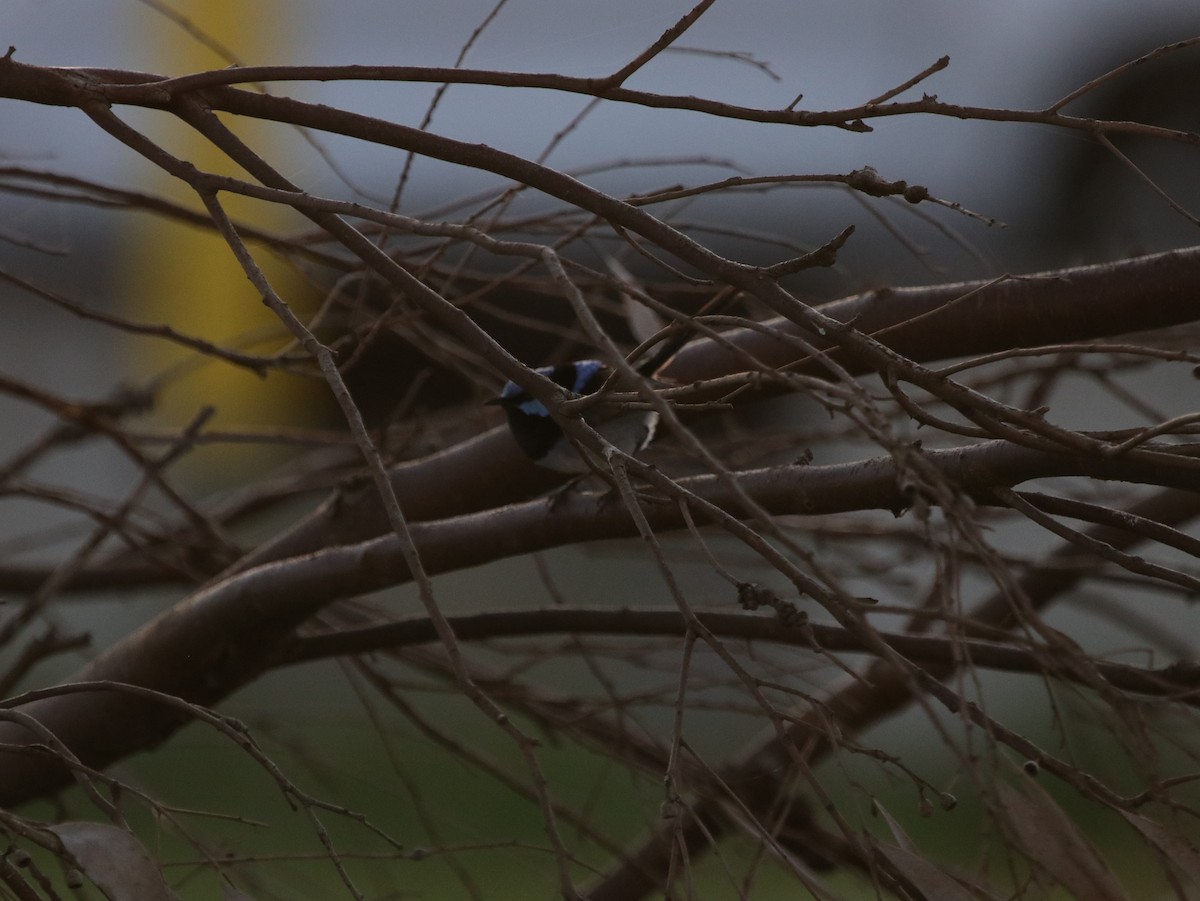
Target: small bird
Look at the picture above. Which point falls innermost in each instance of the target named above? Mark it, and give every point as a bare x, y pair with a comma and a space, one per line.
543, 440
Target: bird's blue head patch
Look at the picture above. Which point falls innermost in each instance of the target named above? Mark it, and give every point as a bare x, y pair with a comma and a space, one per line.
580, 377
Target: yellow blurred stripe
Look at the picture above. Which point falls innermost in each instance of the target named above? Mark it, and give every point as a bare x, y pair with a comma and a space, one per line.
187, 276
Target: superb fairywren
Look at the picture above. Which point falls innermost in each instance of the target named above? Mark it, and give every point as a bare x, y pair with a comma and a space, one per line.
543, 440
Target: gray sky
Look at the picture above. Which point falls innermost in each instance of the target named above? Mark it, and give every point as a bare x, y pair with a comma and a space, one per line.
836, 53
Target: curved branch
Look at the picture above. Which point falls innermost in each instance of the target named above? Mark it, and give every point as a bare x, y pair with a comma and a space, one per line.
1179, 681
147, 89
231, 631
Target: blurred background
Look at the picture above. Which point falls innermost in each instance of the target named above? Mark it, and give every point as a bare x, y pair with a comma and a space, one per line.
1022, 55
1061, 198
1056, 196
